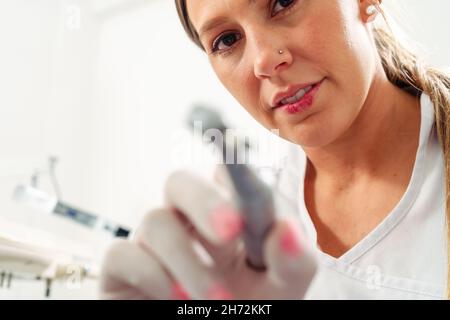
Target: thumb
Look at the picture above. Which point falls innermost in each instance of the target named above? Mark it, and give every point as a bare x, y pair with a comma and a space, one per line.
291, 262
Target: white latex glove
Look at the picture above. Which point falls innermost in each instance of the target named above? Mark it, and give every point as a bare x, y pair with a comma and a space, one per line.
166, 259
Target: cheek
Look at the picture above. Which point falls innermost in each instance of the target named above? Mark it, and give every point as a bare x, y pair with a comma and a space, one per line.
341, 47
245, 88
339, 44
345, 58
229, 76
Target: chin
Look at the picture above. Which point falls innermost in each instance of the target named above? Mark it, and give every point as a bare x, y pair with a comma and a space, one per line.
310, 138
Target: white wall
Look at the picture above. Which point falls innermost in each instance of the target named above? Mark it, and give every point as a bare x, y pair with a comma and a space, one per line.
428, 24
46, 83
107, 90
44, 105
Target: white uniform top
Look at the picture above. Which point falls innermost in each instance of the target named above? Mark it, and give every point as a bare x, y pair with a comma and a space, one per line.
405, 256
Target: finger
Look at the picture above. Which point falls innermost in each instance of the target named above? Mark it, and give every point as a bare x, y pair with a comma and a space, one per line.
162, 233
222, 255
290, 260
128, 272
227, 254
212, 214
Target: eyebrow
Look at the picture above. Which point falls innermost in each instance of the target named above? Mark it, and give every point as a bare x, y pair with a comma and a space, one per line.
211, 24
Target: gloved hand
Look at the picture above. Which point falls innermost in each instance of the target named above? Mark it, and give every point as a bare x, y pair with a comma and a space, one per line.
191, 249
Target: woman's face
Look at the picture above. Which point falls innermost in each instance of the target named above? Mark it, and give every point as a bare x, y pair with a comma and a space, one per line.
324, 42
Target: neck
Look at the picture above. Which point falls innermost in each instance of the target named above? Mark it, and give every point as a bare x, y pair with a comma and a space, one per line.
383, 134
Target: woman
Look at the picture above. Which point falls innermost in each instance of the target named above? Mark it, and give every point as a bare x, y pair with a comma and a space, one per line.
371, 170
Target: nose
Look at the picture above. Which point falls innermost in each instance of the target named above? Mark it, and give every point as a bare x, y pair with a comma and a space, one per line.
271, 57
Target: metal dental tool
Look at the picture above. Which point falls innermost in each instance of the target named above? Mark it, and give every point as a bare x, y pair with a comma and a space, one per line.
40, 200
253, 196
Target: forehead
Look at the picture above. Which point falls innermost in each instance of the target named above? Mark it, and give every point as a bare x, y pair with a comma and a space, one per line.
202, 11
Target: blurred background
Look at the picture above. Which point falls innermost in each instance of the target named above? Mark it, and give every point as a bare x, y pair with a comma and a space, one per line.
102, 89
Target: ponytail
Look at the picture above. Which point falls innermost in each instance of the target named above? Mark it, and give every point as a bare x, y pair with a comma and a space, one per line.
405, 70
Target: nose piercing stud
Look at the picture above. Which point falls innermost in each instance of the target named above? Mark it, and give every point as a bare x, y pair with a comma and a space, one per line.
280, 51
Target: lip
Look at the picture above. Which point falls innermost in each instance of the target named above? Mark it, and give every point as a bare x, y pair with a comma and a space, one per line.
291, 90
304, 103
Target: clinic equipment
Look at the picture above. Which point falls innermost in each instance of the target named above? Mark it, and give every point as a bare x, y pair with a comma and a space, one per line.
28, 255
254, 197
40, 200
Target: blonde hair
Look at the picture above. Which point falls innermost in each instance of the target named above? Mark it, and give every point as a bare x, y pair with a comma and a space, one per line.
404, 69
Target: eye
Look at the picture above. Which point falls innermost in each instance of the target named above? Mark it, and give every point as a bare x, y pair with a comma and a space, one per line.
281, 5
225, 41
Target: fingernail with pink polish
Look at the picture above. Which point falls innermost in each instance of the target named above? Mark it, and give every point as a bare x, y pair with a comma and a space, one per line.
226, 222
219, 292
290, 241
178, 292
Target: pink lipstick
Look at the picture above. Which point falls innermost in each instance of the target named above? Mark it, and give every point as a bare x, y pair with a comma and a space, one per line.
304, 103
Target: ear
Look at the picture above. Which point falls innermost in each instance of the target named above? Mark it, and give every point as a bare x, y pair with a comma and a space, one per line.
369, 9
